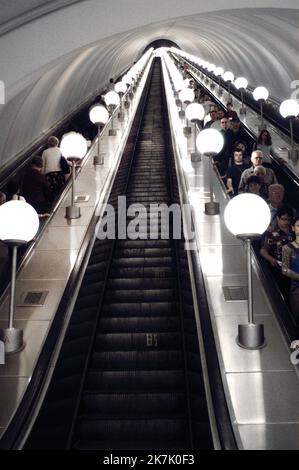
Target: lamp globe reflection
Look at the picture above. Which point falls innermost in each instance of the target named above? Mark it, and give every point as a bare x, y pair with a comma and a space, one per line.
19, 224
73, 147
210, 142
247, 216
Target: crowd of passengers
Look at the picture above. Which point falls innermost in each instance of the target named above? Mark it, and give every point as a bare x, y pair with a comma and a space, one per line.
42, 181
247, 168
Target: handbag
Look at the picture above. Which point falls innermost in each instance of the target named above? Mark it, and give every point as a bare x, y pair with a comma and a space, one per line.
65, 167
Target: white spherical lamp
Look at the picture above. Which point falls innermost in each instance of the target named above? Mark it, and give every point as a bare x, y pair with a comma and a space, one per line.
209, 141
260, 93
98, 114
127, 80
228, 76
289, 108
19, 222
241, 83
120, 87
219, 71
195, 112
73, 145
246, 215
112, 99
186, 95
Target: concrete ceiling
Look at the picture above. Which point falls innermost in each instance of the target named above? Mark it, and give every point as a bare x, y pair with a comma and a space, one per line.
54, 54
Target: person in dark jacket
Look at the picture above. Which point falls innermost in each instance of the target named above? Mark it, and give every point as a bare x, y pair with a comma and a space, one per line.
35, 187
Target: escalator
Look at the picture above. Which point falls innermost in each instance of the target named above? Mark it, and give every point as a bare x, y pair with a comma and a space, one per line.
129, 373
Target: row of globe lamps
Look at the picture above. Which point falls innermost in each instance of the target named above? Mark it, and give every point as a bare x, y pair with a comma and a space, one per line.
19, 222
246, 216
289, 108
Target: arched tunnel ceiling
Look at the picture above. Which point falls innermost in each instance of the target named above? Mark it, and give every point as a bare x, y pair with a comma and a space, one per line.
54, 54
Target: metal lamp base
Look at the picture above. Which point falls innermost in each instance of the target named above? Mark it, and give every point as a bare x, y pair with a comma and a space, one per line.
126, 104
98, 160
121, 117
72, 212
293, 154
182, 114
251, 336
187, 131
212, 208
112, 132
178, 102
195, 157
13, 340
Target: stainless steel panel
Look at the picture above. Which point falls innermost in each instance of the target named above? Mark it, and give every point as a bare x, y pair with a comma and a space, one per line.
23, 363
274, 357
222, 308
49, 265
214, 234
11, 391
270, 436
62, 238
222, 260
269, 397
44, 313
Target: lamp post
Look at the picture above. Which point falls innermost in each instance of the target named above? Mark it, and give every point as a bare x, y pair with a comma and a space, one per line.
195, 113
261, 94
290, 109
210, 142
112, 100
186, 96
229, 78
73, 146
247, 216
19, 224
120, 88
241, 83
98, 115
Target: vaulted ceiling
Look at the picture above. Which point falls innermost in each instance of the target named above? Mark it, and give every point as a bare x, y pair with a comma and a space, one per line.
55, 54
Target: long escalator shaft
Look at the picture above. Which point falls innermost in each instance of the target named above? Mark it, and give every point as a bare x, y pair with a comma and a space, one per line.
143, 387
